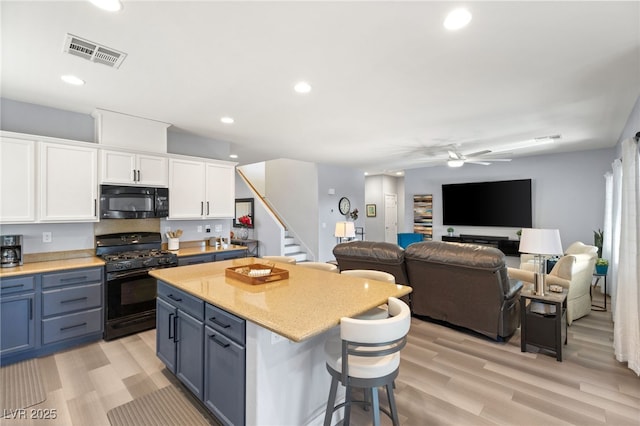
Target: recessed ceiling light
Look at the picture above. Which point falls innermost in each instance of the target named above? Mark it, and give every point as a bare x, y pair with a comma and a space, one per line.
72, 79
233, 155
302, 87
108, 5
457, 18
455, 163
227, 120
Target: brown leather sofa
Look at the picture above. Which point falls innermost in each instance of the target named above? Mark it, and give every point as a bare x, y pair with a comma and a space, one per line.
462, 284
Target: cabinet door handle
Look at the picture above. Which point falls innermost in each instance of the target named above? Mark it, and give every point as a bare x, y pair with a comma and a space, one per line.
134, 174
95, 208
74, 300
201, 208
207, 208
73, 326
223, 344
221, 324
171, 324
82, 278
172, 297
175, 329
30, 309
138, 175
13, 286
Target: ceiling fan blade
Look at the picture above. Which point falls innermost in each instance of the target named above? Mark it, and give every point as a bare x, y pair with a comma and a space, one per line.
488, 159
454, 155
479, 153
483, 163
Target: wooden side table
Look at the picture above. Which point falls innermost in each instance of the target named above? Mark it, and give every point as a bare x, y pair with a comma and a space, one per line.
597, 277
541, 322
251, 245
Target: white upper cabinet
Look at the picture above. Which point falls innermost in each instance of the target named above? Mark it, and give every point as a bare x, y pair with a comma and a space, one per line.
68, 183
17, 180
126, 168
221, 190
201, 190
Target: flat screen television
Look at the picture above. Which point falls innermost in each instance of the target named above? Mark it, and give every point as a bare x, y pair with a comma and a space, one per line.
504, 203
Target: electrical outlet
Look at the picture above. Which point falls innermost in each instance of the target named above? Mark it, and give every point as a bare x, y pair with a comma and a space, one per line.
207, 228
200, 228
46, 237
218, 228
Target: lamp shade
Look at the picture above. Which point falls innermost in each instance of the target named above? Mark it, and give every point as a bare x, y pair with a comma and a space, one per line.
345, 230
540, 241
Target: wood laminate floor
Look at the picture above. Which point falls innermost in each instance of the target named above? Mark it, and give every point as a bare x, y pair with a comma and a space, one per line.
447, 377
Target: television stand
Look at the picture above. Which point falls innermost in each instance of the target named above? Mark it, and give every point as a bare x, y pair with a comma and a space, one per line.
504, 244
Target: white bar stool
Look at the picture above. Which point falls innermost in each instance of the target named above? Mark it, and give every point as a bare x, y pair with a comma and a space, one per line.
379, 312
367, 355
323, 266
281, 259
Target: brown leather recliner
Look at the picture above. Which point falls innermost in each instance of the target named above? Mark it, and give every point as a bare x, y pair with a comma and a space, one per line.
463, 284
380, 256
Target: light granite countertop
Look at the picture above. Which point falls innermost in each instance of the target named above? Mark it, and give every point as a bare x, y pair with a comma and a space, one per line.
306, 304
89, 261
51, 266
205, 249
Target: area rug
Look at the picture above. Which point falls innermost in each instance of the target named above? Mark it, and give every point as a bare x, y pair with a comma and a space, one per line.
167, 407
22, 386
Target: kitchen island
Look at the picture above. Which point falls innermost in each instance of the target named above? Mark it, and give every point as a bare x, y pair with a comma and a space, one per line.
287, 323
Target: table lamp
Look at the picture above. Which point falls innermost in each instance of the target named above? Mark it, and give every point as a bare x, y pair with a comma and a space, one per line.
540, 243
345, 230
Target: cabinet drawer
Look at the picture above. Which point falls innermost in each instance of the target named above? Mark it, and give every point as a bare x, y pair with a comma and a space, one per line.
194, 260
225, 323
231, 255
72, 277
18, 284
69, 299
72, 325
181, 300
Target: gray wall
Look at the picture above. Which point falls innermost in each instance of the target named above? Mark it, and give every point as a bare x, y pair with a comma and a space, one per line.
568, 191
375, 189
346, 182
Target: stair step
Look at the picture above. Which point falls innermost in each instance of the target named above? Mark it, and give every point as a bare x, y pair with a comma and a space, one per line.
299, 256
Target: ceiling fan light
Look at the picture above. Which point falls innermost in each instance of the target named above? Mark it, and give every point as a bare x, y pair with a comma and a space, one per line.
455, 163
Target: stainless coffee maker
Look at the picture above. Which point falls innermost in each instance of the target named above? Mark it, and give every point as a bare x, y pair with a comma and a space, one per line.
10, 250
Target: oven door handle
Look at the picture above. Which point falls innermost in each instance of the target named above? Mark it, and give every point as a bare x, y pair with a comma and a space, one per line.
128, 274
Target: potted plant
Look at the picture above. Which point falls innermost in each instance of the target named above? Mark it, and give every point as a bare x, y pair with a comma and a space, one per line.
602, 266
519, 233
450, 231
598, 238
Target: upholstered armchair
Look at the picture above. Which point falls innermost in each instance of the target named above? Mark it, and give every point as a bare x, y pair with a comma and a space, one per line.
573, 271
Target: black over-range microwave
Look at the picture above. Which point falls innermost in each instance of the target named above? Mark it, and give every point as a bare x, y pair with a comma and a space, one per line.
133, 202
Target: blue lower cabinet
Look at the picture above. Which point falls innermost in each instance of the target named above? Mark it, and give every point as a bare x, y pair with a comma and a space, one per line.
17, 323
180, 336
224, 387
189, 353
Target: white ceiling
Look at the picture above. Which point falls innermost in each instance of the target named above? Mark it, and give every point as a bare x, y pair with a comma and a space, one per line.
389, 82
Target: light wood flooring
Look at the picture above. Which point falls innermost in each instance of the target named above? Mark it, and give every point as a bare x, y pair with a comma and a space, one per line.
447, 377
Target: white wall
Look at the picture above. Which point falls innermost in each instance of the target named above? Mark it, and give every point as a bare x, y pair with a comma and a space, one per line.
567, 191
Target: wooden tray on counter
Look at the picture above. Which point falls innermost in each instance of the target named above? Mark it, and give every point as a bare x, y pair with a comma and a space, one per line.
241, 273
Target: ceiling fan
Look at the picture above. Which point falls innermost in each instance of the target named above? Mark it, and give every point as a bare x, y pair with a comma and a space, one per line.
456, 159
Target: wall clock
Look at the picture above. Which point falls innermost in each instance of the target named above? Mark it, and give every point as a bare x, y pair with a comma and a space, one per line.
344, 205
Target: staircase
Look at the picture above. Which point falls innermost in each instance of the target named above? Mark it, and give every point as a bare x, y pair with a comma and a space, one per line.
293, 249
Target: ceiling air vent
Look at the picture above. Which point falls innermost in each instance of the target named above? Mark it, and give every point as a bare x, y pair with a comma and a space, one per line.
94, 52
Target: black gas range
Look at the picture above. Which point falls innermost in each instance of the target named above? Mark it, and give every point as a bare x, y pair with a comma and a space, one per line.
130, 292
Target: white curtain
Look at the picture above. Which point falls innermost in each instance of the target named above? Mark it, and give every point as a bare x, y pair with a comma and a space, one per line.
626, 316
607, 242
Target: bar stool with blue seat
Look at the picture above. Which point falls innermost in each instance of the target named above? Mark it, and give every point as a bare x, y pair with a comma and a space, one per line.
367, 355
